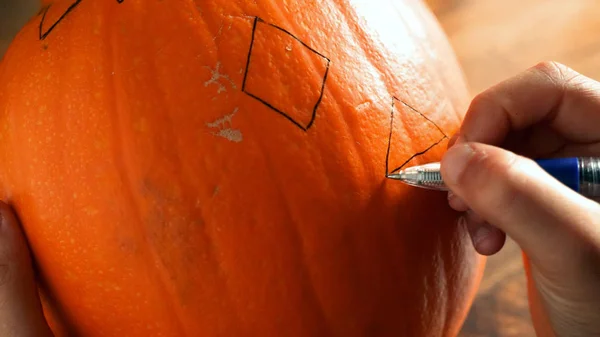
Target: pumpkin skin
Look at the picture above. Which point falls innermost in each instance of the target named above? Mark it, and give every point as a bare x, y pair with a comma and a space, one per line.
164, 195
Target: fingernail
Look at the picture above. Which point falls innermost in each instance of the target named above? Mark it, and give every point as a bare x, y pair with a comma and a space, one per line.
452, 140
455, 161
462, 221
480, 234
455, 139
457, 203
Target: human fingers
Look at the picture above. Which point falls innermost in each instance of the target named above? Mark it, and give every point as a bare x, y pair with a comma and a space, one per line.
547, 219
20, 307
487, 239
549, 93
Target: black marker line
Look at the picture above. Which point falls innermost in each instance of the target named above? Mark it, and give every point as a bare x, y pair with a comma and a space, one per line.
314, 113
44, 35
249, 53
297, 39
417, 154
422, 115
43, 10
247, 70
276, 110
387, 156
42, 22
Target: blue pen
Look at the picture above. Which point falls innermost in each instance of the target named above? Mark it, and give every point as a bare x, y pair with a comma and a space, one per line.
581, 174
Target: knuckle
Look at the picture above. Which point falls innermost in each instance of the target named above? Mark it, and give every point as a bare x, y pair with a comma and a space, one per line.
495, 104
481, 101
551, 68
475, 169
511, 187
497, 180
568, 80
557, 73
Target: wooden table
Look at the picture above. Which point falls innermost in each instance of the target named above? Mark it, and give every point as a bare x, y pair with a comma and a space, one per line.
495, 39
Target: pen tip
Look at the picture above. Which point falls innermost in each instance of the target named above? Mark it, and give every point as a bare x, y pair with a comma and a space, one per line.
398, 176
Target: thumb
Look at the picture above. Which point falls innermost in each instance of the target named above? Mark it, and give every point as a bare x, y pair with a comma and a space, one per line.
546, 218
20, 307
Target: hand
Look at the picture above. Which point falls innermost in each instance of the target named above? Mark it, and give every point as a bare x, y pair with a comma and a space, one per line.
547, 111
20, 307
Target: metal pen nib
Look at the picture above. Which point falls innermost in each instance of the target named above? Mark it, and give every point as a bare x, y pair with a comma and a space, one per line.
424, 176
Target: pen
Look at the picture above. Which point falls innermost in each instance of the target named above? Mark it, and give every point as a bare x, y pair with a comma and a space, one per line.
581, 174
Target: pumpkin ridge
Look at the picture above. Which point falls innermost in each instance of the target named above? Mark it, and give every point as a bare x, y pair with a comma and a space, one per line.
445, 308
431, 76
279, 187
441, 306
125, 144
215, 265
313, 294
310, 44
336, 90
369, 51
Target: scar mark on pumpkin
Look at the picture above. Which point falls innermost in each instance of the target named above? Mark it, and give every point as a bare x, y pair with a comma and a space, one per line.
43, 34
301, 110
216, 76
228, 133
220, 31
216, 191
391, 133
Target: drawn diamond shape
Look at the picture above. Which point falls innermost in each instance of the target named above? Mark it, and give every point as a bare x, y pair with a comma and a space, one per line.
422, 131
294, 90
54, 14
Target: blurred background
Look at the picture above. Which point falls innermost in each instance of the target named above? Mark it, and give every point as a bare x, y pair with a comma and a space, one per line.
13, 15
493, 39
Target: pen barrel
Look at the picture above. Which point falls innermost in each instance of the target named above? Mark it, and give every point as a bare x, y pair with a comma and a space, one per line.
581, 174
589, 176
432, 179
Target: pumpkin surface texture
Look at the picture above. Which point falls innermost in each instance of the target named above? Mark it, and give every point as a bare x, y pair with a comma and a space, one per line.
218, 168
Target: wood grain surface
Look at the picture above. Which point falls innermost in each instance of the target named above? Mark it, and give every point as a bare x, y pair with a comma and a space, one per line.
495, 39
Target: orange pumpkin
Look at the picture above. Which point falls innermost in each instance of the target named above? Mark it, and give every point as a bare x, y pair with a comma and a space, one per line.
218, 168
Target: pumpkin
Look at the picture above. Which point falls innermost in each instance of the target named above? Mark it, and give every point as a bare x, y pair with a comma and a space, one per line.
219, 168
